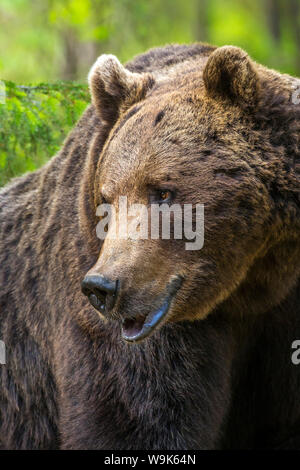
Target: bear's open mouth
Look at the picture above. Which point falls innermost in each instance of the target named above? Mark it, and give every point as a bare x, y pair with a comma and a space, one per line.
132, 327
140, 327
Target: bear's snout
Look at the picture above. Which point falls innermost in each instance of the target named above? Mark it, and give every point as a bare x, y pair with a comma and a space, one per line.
100, 291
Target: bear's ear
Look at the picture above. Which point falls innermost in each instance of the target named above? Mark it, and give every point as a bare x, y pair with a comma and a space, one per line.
230, 74
114, 88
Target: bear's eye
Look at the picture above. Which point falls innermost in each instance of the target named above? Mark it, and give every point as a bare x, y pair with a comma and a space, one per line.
160, 196
165, 195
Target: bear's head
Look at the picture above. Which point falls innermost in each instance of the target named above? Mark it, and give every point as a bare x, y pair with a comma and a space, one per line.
221, 134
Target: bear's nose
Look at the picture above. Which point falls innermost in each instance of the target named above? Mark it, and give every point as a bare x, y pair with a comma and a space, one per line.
100, 291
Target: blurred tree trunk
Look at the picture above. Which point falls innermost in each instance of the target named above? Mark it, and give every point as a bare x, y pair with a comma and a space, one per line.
71, 47
273, 15
201, 21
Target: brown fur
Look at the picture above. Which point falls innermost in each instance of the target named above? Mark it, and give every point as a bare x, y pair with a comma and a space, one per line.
221, 130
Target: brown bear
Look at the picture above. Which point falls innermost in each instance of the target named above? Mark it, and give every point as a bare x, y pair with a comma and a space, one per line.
180, 349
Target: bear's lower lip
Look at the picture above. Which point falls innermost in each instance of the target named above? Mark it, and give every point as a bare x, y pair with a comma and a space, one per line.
138, 328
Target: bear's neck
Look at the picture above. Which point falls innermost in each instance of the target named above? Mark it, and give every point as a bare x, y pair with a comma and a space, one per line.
271, 281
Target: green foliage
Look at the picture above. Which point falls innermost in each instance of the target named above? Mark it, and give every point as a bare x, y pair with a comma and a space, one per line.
34, 120
51, 39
